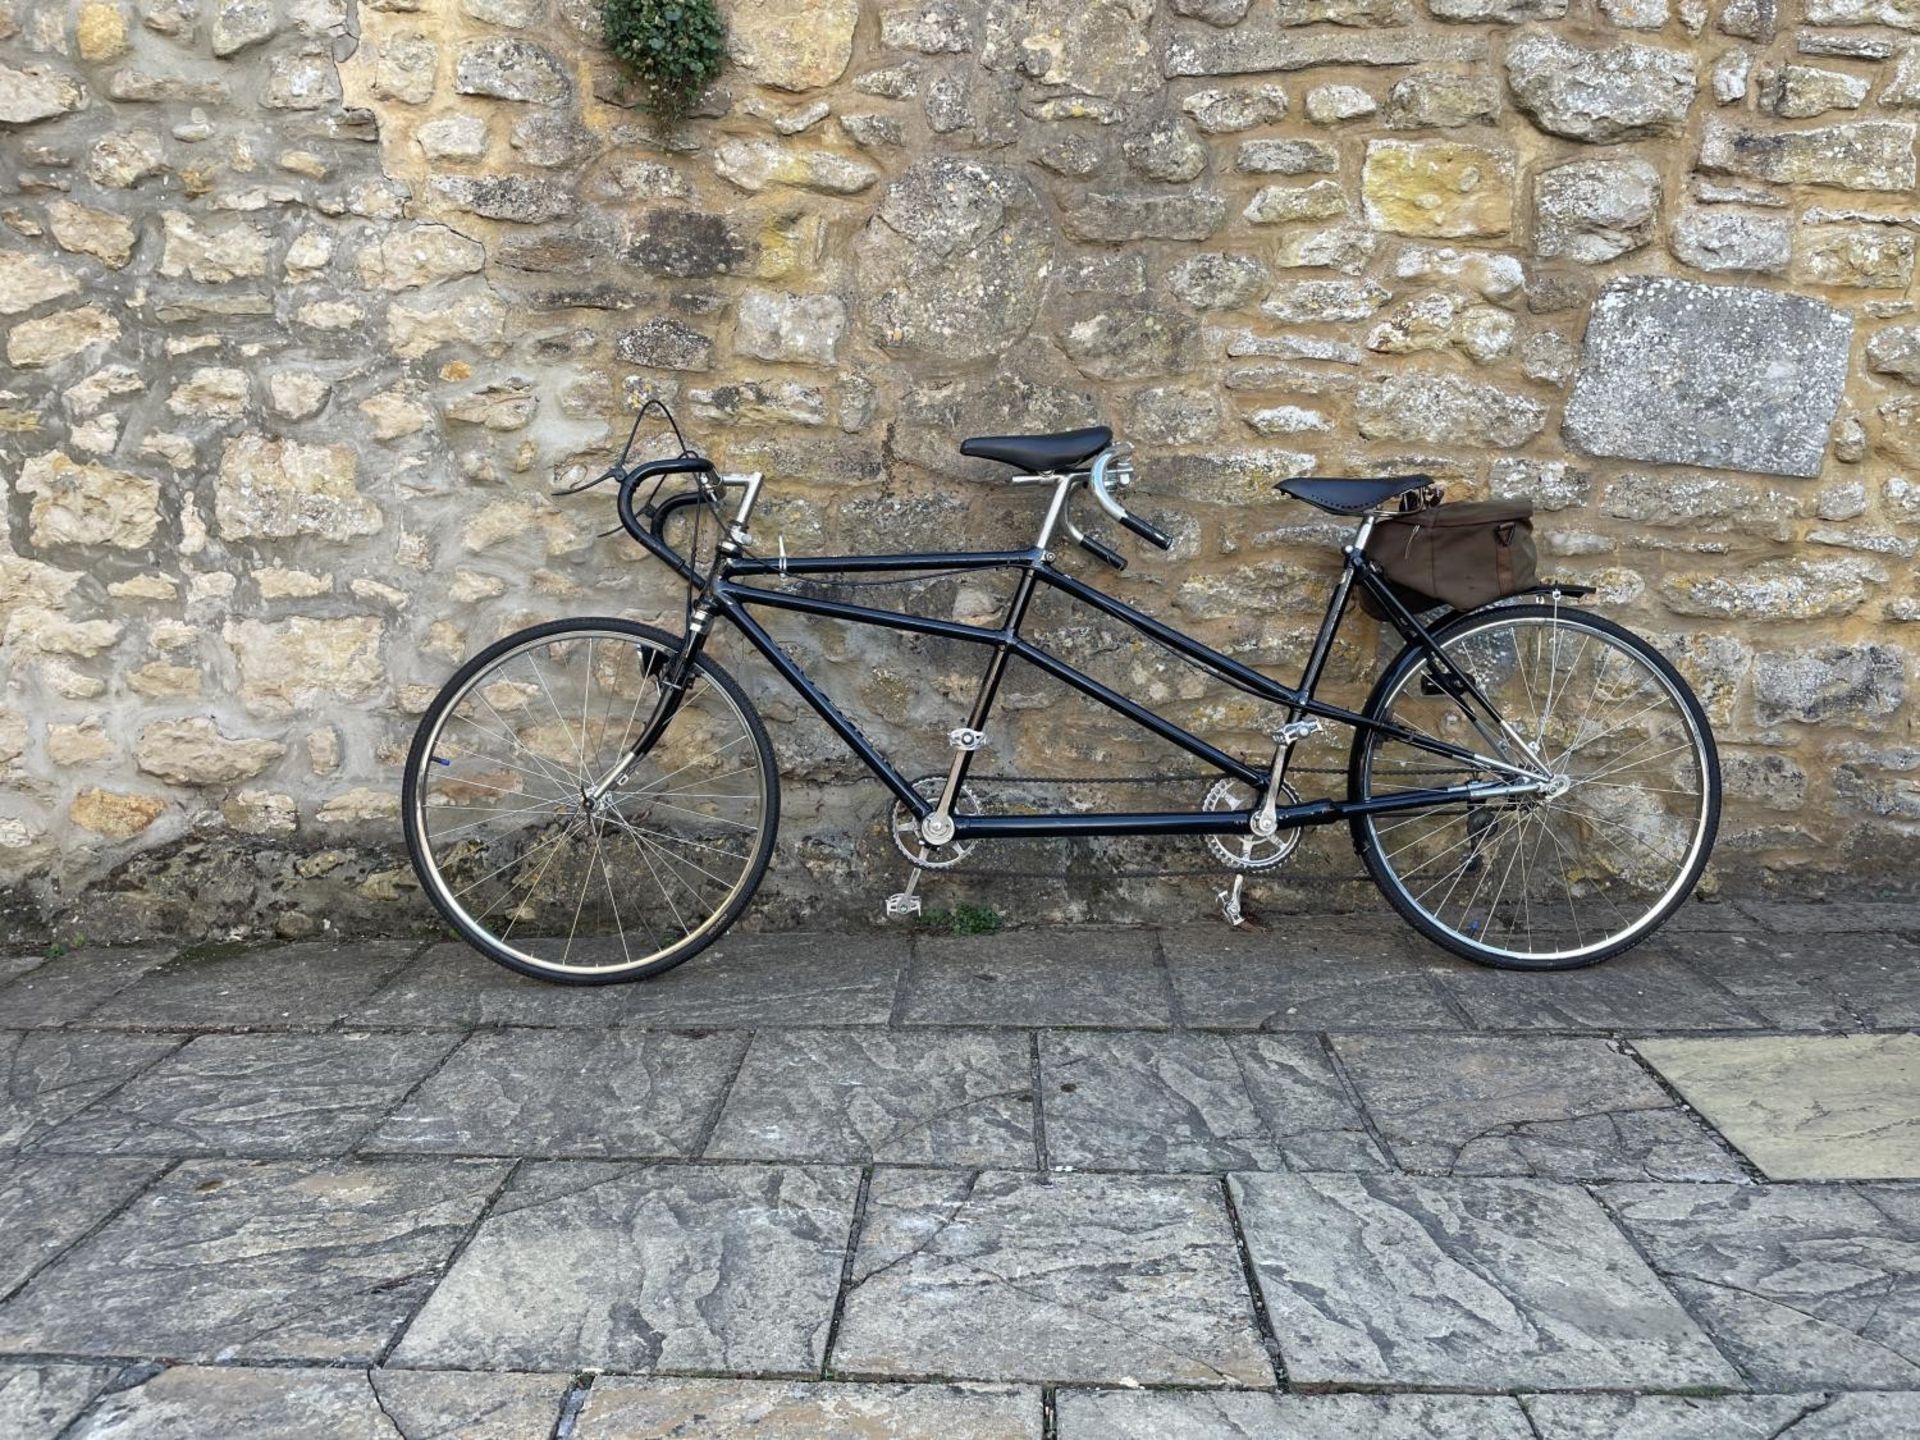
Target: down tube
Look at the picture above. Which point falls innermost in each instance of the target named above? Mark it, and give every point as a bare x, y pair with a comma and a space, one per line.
825, 708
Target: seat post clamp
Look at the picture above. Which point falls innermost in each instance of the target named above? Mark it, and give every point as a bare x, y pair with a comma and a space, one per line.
966, 738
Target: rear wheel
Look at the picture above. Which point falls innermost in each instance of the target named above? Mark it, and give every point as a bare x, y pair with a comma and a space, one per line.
1563, 878
535, 875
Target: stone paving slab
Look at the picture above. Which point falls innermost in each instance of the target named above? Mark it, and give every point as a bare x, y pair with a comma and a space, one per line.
64, 989
1803, 1286
1554, 1108
297, 986
618, 1409
941, 1098
1082, 976
773, 980
453, 987
266, 1095
1243, 1415
1821, 1107
1502, 1284
1833, 917
1183, 1101
51, 1076
588, 1094
642, 1268
1824, 982
47, 1203
1883, 1415
1086, 1278
1310, 977
256, 1260
12, 967
1650, 988
188, 1402
38, 1402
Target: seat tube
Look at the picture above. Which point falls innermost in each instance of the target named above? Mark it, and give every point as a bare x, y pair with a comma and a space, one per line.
973, 735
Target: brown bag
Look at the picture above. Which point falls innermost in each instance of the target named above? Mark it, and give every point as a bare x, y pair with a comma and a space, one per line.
1460, 555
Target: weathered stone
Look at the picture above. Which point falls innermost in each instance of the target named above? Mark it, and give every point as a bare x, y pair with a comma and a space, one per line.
194, 752
925, 1297
1166, 149
1806, 1286
1779, 590
1830, 685
1900, 14
1623, 92
1332, 104
505, 67
1894, 351
1324, 301
517, 198
38, 92
1566, 1109
1271, 45
114, 814
1128, 344
667, 344
1800, 92
309, 81
797, 329
1592, 211
1438, 188
514, 14
1224, 112
1096, 49
76, 504
417, 255
1707, 504
1709, 375
955, 261
219, 392
1716, 239
27, 280
396, 412
1872, 257
755, 164
109, 238
761, 402
1730, 75
686, 244
419, 326
1174, 415
1355, 1270
1441, 102
406, 66
453, 137
212, 254
122, 159
1438, 407
1862, 155
275, 489
304, 660
1287, 204
1286, 157
49, 339
1227, 282
782, 1233
1498, 12
792, 44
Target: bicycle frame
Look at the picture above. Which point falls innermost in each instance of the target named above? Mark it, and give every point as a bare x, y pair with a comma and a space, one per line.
722, 595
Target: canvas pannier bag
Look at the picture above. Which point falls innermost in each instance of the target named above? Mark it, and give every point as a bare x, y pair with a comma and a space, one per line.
1461, 555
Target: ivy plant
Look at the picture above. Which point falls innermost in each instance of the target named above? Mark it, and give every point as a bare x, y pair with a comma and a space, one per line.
674, 48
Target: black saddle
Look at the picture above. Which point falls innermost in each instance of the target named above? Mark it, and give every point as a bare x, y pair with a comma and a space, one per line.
1351, 497
1035, 453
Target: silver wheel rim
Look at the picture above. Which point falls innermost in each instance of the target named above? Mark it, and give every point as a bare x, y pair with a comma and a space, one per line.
1564, 876
514, 849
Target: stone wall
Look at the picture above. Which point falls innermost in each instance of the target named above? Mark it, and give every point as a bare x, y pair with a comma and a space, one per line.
308, 305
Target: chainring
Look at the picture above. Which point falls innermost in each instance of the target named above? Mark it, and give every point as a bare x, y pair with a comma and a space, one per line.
905, 831
1250, 852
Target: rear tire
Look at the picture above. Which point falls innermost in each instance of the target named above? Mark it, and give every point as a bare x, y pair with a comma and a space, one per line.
1585, 874
494, 788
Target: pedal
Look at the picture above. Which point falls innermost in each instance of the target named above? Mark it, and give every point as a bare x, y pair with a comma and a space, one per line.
902, 905
1230, 902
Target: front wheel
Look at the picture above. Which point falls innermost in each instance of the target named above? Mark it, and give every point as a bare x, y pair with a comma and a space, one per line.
1562, 878
534, 873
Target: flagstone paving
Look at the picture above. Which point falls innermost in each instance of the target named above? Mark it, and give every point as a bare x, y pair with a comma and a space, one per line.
1081, 1184
1806, 1107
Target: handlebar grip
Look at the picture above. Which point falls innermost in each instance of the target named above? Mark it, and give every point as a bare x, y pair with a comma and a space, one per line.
1152, 534
1100, 550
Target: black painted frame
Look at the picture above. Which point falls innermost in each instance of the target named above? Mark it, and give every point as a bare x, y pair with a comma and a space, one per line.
719, 593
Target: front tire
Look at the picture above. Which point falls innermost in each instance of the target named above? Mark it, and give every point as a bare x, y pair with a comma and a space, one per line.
1546, 881
535, 876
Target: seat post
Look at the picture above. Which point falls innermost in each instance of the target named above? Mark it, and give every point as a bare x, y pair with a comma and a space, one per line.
1055, 507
